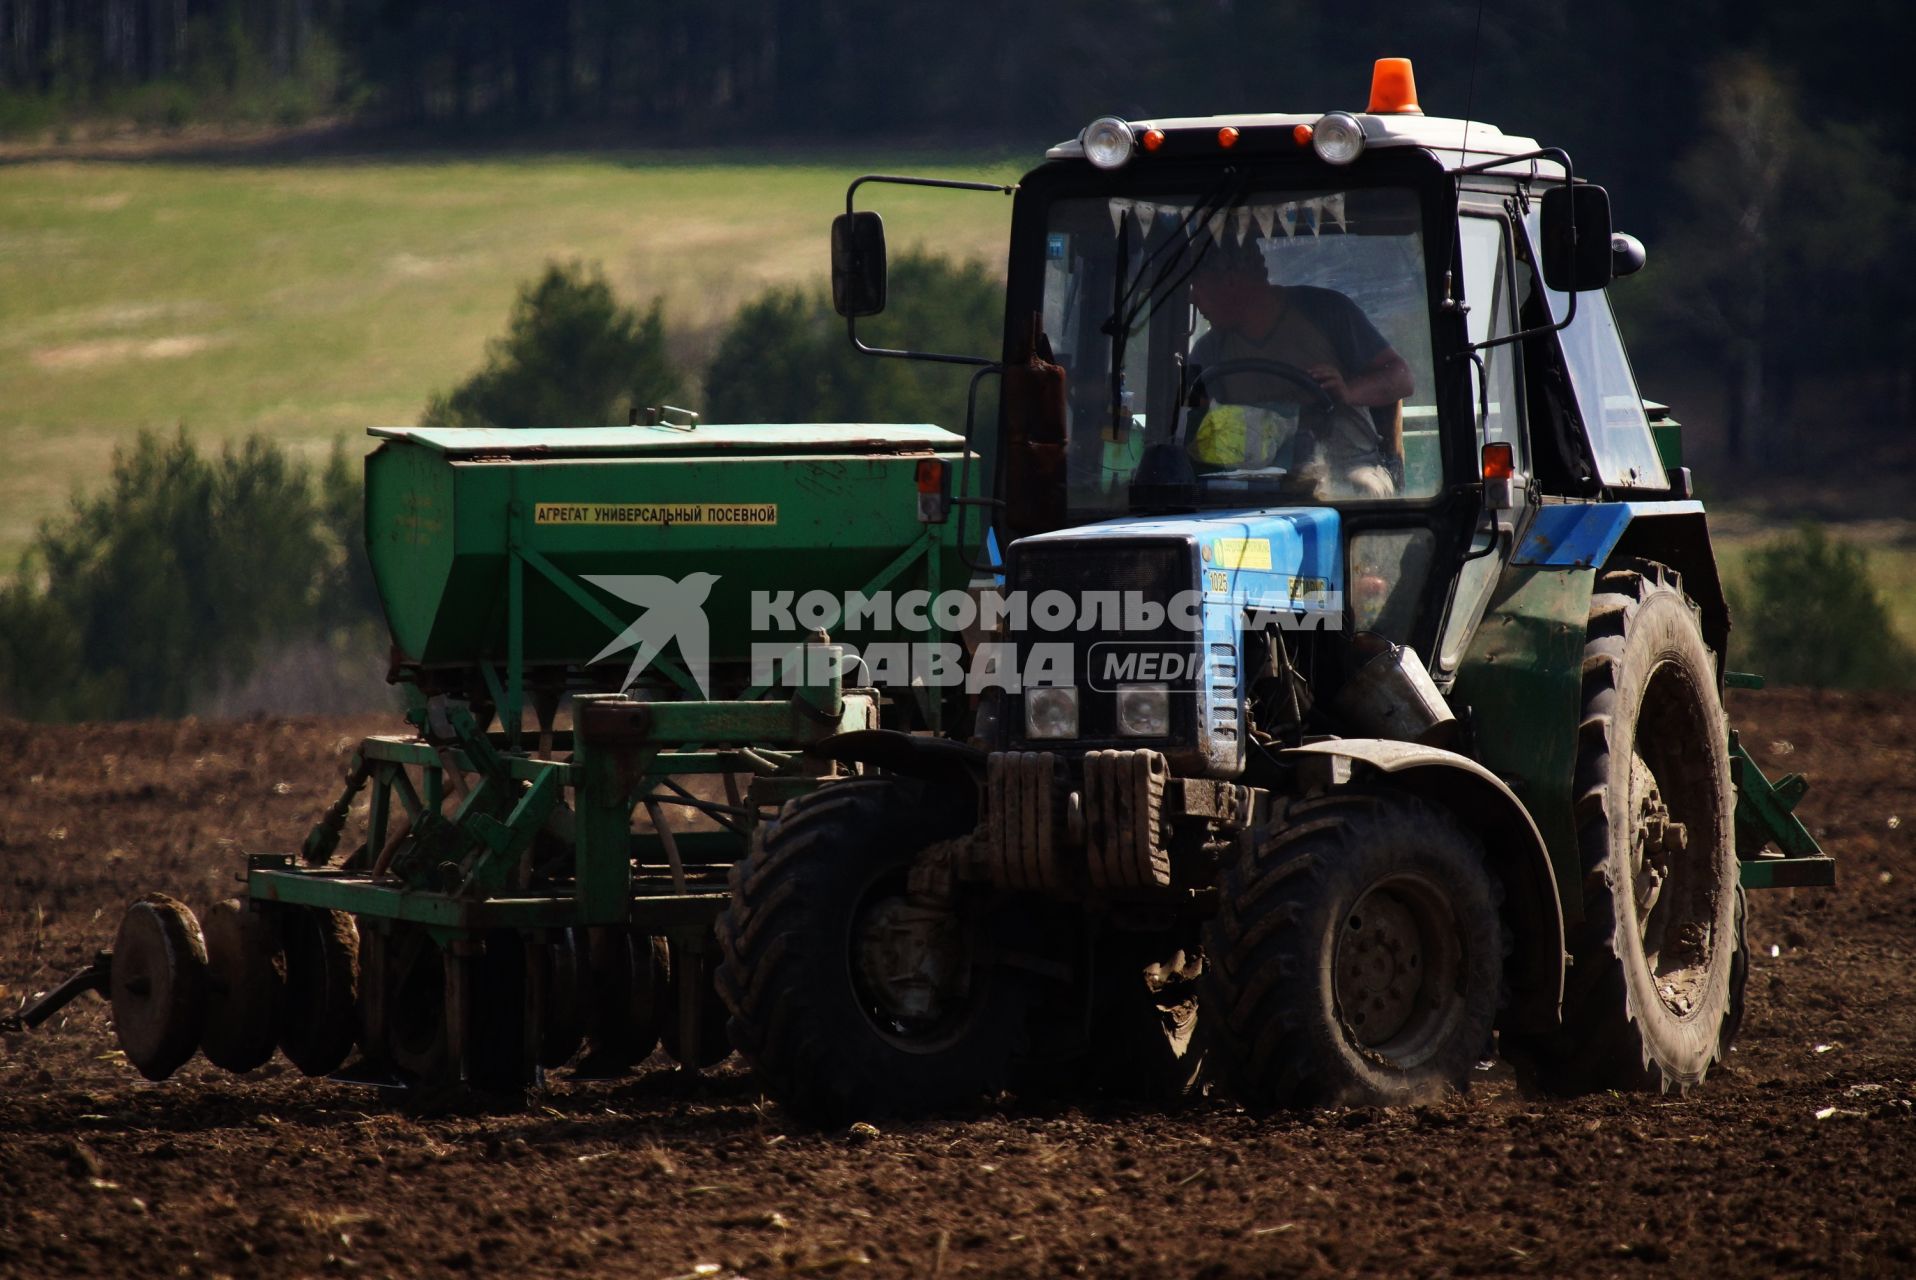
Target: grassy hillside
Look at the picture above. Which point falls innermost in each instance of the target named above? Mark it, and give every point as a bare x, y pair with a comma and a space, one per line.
311, 300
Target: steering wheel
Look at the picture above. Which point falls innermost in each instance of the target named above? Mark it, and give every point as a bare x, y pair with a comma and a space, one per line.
1319, 398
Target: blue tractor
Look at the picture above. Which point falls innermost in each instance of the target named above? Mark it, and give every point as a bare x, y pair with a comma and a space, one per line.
1369, 651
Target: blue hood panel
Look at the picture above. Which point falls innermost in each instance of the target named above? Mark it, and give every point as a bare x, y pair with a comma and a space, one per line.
1288, 559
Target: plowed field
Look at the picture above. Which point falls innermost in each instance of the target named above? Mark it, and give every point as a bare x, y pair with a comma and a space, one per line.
1798, 1156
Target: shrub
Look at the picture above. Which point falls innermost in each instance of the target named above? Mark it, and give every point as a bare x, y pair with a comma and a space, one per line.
1808, 612
572, 356
160, 595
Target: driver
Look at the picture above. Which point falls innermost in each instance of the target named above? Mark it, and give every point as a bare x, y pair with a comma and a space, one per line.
1320, 332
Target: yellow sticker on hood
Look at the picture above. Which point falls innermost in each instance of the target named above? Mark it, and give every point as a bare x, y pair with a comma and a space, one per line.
1242, 553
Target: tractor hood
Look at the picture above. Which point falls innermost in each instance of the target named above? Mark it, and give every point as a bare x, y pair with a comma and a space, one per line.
1284, 559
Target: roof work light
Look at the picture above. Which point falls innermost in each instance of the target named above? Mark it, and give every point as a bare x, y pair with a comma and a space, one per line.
1108, 142
1337, 138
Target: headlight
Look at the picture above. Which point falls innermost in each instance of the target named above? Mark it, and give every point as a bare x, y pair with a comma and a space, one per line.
1051, 713
1144, 710
1338, 138
1107, 142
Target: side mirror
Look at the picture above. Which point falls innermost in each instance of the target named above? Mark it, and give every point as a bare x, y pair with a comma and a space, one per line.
858, 264
1576, 238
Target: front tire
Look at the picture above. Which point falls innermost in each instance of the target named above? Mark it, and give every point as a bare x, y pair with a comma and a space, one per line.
849, 996
1651, 1000
1356, 957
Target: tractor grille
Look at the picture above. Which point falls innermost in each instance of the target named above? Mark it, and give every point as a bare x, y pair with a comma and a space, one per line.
1156, 570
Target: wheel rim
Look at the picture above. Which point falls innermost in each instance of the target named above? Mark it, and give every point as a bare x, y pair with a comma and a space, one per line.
1673, 892
910, 968
1397, 969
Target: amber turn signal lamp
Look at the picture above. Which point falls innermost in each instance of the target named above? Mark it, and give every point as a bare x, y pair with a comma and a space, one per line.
1227, 136
931, 475
1500, 461
1302, 134
1152, 139
1393, 90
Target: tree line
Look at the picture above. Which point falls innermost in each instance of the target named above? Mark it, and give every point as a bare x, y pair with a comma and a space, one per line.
1625, 80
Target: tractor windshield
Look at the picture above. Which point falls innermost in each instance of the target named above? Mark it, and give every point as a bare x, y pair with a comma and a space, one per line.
1243, 350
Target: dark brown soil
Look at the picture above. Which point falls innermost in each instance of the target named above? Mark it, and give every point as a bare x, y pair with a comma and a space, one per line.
1799, 1156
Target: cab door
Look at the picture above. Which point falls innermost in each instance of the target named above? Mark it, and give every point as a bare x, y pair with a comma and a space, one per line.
1497, 404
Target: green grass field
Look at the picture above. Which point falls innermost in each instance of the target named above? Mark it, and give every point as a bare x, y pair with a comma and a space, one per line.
311, 300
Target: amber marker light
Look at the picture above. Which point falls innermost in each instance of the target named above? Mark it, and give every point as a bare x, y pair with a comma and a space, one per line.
1500, 461
1301, 134
1227, 136
1152, 139
931, 475
1393, 89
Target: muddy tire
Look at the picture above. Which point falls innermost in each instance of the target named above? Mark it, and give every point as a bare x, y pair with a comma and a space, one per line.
1356, 957
319, 1018
158, 985
848, 998
1739, 978
246, 979
1649, 996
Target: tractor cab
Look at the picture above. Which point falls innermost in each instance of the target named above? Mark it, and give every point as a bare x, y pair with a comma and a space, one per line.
1392, 322
1262, 313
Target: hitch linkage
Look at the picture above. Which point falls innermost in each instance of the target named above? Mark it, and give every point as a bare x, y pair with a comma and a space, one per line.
95, 977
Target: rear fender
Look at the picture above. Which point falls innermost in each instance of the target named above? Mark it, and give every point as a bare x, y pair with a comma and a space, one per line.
1480, 801
1590, 535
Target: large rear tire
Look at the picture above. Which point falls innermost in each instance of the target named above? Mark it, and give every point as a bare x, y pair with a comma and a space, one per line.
1356, 957
1649, 1000
849, 997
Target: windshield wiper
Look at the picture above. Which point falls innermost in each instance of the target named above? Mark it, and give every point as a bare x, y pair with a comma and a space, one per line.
1130, 304
1137, 300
